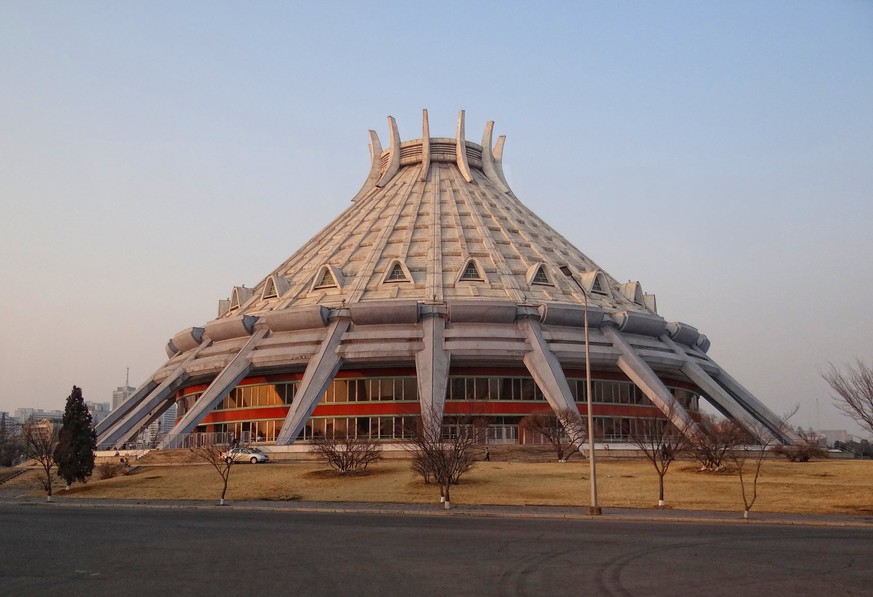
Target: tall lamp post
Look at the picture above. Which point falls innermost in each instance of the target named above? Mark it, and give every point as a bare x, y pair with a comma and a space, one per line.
594, 508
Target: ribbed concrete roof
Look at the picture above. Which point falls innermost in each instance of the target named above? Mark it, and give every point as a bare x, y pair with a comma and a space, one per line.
425, 217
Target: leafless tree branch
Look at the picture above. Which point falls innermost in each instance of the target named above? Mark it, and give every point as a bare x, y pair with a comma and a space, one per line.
346, 454
565, 431
40, 441
755, 442
662, 443
443, 452
712, 445
853, 391
216, 455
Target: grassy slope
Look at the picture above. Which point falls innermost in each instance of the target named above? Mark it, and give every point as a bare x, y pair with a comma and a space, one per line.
816, 487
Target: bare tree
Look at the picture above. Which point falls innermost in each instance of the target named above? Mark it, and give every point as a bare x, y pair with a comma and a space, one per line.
662, 443
443, 452
756, 441
804, 450
715, 441
853, 391
749, 470
40, 441
346, 454
564, 430
216, 455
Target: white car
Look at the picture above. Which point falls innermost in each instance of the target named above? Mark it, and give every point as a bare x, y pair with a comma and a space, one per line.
252, 455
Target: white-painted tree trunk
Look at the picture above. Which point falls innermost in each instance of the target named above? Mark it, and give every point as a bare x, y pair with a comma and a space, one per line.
661, 503
447, 505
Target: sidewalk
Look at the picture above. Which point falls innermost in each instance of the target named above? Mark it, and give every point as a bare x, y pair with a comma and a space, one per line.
478, 511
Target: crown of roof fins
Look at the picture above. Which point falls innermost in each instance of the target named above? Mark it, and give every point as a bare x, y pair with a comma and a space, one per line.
483, 243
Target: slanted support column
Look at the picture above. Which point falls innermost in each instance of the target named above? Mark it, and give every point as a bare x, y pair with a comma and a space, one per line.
732, 398
226, 381
161, 405
124, 408
319, 373
544, 367
711, 388
134, 416
432, 370
760, 412
646, 380
138, 419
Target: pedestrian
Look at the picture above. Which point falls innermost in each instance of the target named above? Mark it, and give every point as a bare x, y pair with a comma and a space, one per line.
487, 455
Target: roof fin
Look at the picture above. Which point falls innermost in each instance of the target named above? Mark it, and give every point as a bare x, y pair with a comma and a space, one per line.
375, 158
461, 150
425, 146
488, 163
393, 153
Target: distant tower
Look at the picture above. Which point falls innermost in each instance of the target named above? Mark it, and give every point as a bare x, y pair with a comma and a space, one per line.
123, 393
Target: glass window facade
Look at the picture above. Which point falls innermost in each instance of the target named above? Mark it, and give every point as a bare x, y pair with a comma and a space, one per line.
250, 411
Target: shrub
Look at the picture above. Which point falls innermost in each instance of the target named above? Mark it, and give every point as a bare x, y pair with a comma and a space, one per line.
803, 452
108, 470
346, 454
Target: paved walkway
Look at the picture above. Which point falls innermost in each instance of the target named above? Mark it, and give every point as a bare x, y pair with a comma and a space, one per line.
461, 510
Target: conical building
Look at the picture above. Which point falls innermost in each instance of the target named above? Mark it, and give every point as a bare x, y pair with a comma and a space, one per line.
436, 291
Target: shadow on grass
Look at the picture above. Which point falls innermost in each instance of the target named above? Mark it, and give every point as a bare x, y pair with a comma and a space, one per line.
329, 473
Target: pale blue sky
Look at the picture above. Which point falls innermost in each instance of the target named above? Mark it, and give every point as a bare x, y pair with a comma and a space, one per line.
153, 155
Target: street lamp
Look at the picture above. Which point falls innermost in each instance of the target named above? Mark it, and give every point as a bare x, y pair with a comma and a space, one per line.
594, 508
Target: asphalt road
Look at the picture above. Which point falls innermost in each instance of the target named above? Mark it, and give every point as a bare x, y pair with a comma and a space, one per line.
46, 550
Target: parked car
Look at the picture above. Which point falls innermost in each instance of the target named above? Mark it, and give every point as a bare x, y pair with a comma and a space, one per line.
252, 455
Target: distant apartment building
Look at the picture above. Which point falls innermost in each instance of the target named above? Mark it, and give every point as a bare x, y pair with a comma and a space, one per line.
168, 419
98, 410
9, 422
121, 394
23, 414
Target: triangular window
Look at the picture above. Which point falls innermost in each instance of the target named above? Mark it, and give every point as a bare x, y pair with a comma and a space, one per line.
326, 280
471, 272
396, 274
275, 287
239, 295
597, 286
633, 291
540, 277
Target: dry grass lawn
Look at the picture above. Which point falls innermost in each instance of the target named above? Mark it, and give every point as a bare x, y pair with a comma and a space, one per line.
839, 486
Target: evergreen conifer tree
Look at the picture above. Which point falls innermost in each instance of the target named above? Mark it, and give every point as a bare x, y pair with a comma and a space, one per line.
77, 441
